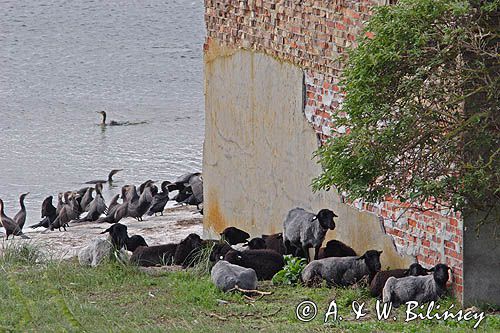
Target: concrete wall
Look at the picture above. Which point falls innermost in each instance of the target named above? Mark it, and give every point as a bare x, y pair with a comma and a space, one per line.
313, 35
481, 262
258, 153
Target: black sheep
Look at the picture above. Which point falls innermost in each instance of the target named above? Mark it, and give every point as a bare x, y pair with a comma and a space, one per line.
265, 263
219, 250
378, 282
134, 242
257, 243
187, 250
275, 242
234, 235
154, 255
335, 248
118, 234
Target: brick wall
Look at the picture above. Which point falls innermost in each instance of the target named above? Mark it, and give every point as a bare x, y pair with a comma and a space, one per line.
313, 35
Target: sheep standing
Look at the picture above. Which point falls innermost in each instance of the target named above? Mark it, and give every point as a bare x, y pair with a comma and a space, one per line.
335, 248
266, 263
342, 271
154, 255
422, 289
303, 230
226, 276
381, 278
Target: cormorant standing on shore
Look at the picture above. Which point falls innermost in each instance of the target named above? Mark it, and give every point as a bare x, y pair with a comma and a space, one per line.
48, 213
20, 217
11, 227
160, 200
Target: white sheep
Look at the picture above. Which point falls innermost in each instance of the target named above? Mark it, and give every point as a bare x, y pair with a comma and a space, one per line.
422, 289
226, 276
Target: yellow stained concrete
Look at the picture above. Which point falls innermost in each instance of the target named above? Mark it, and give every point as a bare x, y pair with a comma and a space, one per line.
258, 154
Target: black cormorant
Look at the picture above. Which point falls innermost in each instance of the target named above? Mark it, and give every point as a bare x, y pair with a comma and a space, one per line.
160, 200
20, 217
48, 213
110, 178
11, 227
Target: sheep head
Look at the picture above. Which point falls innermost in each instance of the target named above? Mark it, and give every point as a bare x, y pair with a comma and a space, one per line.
372, 260
325, 219
441, 276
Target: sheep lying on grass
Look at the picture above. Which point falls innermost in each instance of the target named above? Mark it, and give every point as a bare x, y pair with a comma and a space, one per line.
118, 234
381, 278
257, 243
342, 271
187, 249
266, 263
132, 243
335, 248
119, 238
234, 236
226, 276
303, 230
422, 289
219, 250
275, 242
154, 255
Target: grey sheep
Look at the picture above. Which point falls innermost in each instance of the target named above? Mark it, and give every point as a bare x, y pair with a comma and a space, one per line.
303, 230
226, 276
342, 271
422, 289
381, 278
266, 263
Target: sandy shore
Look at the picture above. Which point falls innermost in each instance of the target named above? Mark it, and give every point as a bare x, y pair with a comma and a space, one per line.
173, 226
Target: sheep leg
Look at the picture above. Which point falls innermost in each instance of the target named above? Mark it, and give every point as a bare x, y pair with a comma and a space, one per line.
305, 249
288, 248
316, 252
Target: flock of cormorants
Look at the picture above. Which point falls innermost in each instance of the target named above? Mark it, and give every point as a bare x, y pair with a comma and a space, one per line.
88, 205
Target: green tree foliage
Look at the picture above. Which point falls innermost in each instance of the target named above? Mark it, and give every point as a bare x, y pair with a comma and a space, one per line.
421, 108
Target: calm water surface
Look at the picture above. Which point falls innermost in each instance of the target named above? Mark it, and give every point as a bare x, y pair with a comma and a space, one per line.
61, 61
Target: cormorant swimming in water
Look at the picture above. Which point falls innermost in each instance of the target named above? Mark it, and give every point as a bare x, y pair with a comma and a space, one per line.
116, 123
110, 178
20, 217
11, 227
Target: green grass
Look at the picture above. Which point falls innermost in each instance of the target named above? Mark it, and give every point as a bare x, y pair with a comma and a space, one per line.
65, 297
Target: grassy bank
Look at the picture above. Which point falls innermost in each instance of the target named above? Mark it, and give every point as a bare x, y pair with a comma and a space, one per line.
62, 296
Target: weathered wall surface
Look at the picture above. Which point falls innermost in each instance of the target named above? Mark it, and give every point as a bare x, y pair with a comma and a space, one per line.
311, 35
258, 154
481, 262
